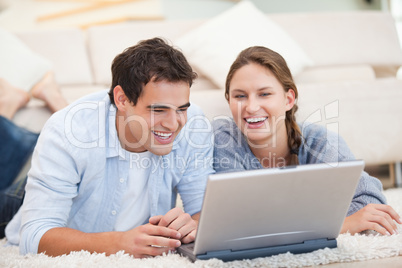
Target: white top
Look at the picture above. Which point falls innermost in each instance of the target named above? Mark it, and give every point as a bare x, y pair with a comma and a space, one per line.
135, 210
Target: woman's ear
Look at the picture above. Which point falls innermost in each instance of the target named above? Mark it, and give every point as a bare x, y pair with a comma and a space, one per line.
120, 99
290, 99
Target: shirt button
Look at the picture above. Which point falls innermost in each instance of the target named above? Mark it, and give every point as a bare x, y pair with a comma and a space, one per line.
113, 212
121, 180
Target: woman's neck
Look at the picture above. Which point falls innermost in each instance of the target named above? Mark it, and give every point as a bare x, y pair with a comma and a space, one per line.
274, 152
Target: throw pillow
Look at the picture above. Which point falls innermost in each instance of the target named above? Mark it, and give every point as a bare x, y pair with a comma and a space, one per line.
212, 47
20, 66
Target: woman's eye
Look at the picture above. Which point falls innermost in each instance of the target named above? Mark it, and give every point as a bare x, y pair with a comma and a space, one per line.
265, 94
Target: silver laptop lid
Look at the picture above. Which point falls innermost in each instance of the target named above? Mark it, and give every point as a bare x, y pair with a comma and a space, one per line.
271, 207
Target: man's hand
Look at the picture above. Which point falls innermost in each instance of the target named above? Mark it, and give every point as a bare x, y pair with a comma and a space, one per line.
176, 219
377, 217
150, 240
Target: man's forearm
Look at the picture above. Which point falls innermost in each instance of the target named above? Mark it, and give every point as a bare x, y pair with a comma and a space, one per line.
59, 241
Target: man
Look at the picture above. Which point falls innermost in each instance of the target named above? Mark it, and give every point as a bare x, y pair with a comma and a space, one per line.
106, 169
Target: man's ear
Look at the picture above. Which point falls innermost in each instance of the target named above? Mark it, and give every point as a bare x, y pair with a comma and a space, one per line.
120, 99
290, 99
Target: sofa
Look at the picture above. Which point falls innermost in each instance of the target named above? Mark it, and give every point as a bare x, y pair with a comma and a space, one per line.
349, 82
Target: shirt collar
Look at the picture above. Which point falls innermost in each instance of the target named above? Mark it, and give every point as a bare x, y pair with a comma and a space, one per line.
112, 139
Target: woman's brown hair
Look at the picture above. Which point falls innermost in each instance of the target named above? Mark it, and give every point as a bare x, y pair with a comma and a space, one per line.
277, 65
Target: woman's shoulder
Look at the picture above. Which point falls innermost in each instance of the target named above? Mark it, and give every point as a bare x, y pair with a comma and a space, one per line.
223, 123
227, 135
314, 133
322, 143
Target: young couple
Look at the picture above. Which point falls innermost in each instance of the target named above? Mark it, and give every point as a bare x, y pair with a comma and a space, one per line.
106, 169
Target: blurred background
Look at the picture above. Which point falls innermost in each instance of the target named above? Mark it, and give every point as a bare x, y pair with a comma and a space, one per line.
23, 15
28, 14
37, 15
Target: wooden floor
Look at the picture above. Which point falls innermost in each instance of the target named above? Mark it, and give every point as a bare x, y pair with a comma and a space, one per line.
394, 262
383, 173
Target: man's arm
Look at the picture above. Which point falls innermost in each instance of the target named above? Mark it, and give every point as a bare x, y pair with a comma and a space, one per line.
143, 241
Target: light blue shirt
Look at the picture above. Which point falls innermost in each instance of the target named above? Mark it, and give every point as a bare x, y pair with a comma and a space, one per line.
78, 175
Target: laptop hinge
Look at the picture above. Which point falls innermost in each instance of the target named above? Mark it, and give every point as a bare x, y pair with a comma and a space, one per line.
218, 252
321, 240
311, 241
304, 247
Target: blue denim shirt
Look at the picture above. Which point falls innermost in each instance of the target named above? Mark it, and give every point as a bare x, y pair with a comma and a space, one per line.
79, 174
319, 145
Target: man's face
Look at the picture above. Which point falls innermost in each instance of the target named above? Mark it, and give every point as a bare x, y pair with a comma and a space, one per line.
157, 118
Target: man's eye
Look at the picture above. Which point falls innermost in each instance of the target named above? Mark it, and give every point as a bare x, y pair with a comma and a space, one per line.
182, 110
239, 96
158, 110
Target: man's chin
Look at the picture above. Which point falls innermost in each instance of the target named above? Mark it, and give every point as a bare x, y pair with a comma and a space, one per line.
161, 149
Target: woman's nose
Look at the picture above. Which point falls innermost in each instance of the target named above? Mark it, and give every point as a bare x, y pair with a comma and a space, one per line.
252, 105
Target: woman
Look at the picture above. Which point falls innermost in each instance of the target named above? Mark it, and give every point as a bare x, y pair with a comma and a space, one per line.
263, 133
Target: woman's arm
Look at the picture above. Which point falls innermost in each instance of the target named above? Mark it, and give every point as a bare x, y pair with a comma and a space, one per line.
377, 217
368, 209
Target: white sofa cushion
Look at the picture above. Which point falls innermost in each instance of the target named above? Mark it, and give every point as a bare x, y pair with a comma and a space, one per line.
334, 73
334, 38
19, 65
67, 51
105, 42
366, 114
212, 102
213, 46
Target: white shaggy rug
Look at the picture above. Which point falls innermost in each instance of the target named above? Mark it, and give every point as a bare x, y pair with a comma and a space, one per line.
350, 248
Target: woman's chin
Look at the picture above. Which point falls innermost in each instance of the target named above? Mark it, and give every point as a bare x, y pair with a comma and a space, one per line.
256, 138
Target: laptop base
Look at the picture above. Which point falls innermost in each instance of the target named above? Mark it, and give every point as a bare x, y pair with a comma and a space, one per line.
228, 255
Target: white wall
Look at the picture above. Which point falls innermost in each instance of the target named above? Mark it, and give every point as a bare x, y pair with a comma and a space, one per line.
183, 9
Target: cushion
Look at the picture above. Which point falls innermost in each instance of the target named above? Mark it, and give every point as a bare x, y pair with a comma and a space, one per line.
212, 47
320, 74
20, 66
212, 102
365, 113
67, 51
106, 41
347, 37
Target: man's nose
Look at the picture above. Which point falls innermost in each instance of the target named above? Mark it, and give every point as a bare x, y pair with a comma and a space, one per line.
172, 120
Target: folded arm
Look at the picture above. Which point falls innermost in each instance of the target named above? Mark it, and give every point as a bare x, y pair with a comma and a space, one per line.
176, 219
143, 241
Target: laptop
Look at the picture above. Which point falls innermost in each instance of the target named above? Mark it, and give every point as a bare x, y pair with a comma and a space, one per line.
265, 212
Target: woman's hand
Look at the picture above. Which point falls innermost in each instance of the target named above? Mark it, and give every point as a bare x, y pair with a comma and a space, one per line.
377, 217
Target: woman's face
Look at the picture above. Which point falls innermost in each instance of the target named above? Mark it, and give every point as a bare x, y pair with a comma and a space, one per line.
259, 103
